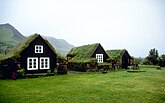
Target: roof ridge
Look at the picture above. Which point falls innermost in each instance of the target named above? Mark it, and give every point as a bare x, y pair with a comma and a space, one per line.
115, 53
86, 45
16, 50
95, 48
83, 52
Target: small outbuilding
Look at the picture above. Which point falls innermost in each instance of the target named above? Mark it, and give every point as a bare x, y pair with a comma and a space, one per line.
120, 58
86, 57
87, 52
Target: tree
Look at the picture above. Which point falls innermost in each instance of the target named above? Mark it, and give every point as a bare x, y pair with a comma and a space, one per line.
137, 60
162, 60
145, 61
153, 56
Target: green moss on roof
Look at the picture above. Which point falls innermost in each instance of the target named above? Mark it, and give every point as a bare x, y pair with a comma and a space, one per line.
19, 47
23, 45
83, 53
115, 54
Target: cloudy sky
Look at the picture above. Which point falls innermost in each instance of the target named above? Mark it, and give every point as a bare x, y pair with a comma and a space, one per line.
135, 25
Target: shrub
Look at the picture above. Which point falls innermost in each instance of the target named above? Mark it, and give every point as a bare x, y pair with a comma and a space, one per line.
20, 73
158, 68
48, 71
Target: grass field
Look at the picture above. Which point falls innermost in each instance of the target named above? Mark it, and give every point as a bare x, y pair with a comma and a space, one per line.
113, 87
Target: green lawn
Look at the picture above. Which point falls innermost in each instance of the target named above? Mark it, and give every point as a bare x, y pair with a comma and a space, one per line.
113, 87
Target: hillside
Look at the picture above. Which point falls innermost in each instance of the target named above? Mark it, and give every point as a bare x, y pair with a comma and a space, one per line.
9, 37
61, 45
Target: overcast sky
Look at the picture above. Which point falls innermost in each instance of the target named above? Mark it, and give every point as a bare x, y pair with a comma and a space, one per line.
135, 25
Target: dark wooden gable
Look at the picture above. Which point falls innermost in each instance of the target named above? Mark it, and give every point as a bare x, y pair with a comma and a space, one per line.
120, 57
100, 50
30, 52
126, 59
86, 53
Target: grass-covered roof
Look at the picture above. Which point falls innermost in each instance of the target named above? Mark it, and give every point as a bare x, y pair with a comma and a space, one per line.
15, 52
115, 54
83, 53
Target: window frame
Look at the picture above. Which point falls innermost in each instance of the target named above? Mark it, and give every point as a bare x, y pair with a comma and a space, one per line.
39, 48
100, 58
32, 63
44, 63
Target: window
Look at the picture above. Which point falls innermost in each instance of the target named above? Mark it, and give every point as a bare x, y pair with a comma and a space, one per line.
99, 58
32, 63
44, 63
38, 49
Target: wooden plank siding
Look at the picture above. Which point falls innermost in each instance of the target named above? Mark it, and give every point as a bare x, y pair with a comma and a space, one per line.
30, 52
121, 57
100, 50
26, 49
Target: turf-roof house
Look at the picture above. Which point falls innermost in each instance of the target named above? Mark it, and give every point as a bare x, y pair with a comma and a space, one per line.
121, 56
87, 53
34, 54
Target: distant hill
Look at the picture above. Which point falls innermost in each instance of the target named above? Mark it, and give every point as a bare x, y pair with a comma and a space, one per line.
9, 37
61, 45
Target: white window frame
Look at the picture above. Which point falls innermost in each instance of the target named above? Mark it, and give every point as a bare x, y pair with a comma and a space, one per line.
38, 49
99, 58
43, 64
32, 65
